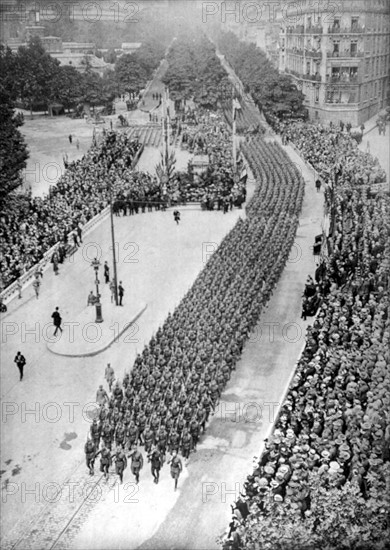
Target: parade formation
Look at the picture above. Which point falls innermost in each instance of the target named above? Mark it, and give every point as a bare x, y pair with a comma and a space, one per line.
322, 475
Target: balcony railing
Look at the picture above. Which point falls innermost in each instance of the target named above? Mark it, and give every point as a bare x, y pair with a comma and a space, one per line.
353, 29
312, 77
344, 80
301, 29
345, 53
313, 53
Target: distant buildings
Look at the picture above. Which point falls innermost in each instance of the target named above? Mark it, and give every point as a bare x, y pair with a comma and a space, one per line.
339, 60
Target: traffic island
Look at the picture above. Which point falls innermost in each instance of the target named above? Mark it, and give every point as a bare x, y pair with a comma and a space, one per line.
82, 336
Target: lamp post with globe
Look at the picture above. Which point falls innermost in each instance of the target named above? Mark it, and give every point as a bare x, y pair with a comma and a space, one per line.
96, 264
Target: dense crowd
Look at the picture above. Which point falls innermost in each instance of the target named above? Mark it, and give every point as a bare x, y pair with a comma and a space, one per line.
177, 380
29, 227
334, 425
327, 148
209, 136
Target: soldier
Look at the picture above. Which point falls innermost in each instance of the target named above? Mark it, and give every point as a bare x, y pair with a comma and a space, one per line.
101, 396
154, 423
96, 430
156, 459
201, 417
107, 434
120, 434
141, 423
118, 393
173, 441
194, 431
109, 375
89, 450
162, 440
132, 435
105, 460
148, 438
120, 463
186, 443
176, 467
137, 463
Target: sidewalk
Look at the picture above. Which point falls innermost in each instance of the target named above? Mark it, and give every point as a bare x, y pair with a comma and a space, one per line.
83, 337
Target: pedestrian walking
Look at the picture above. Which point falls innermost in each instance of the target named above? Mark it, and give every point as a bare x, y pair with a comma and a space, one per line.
70, 137
318, 185
36, 285
112, 288
137, 462
121, 292
176, 216
57, 320
20, 362
78, 144
176, 467
106, 273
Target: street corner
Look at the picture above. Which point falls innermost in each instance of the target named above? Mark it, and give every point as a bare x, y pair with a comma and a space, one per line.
84, 337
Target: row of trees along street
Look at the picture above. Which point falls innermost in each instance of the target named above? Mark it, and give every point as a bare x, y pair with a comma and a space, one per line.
32, 79
271, 91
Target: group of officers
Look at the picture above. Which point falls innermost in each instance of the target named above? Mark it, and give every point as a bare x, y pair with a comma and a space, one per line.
163, 405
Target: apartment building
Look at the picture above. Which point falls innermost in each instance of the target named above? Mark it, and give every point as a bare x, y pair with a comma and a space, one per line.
339, 58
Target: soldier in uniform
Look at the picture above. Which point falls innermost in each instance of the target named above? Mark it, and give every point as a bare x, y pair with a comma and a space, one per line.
105, 460
109, 375
162, 439
132, 435
148, 438
176, 467
101, 396
141, 423
89, 450
120, 433
96, 431
186, 443
156, 459
120, 463
137, 462
194, 431
107, 434
173, 441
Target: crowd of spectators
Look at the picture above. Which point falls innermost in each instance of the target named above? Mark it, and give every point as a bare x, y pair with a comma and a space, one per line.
335, 420
326, 148
178, 378
29, 227
210, 137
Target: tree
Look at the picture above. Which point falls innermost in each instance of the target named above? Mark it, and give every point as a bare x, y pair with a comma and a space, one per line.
67, 86
13, 149
35, 70
130, 76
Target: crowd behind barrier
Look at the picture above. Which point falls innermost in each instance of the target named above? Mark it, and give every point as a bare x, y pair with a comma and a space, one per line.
333, 430
177, 380
328, 148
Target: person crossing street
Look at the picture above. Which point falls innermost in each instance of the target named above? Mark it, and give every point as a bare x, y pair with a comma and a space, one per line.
176, 467
20, 362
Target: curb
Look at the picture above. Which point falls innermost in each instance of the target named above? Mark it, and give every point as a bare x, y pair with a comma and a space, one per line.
106, 346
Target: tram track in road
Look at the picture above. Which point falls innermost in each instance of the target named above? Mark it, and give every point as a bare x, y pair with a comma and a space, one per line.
59, 521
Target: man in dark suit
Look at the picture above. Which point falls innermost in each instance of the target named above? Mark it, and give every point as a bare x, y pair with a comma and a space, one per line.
121, 292
56, 321
20, 362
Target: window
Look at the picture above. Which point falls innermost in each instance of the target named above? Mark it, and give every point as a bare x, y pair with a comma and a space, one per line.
353, 49
307, 67
317, 94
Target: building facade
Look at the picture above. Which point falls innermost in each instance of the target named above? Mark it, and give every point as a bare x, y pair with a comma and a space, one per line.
339, 60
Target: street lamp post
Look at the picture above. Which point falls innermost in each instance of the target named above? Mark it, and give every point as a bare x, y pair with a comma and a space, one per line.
96, 264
